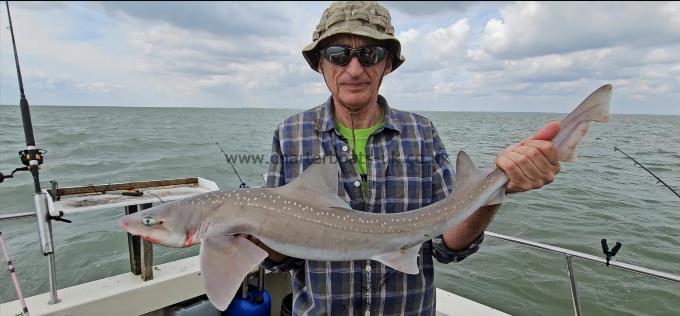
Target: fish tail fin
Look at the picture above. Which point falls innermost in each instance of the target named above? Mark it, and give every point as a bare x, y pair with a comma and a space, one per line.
595, 108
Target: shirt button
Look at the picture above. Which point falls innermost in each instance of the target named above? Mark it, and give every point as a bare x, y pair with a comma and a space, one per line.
345, 148
368, 268
357, 183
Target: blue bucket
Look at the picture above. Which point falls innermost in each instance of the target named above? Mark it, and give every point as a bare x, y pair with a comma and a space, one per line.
256, 304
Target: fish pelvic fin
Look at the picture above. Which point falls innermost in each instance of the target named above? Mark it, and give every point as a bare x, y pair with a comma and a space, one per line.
225, 262
595, 108
317, 185
404, 260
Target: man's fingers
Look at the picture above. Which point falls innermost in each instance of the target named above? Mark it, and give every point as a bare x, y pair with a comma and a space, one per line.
522, 156
547, 132
512, 171
538, 159
527, 167
546, 148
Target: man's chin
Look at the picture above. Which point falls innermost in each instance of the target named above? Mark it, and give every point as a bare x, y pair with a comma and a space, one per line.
355, 100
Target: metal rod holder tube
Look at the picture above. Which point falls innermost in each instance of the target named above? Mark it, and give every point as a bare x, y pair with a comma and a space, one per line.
54, 299
572, 285
44, 227
46, 243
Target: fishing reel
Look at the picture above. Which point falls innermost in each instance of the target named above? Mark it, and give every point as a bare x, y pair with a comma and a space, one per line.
26, 157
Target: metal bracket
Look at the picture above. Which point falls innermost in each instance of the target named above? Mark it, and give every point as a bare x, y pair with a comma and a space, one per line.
141, 251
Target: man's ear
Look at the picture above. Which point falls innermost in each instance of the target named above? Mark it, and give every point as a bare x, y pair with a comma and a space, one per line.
318, 67
388, 66
388, 69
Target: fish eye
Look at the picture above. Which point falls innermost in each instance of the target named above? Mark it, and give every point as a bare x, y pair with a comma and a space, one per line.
148, 221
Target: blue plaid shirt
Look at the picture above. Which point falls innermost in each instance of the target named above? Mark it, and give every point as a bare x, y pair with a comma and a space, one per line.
408, 168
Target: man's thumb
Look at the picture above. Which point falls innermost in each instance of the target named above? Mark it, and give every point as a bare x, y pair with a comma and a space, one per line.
548, 132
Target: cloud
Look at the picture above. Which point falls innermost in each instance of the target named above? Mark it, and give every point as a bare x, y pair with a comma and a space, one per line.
98, 87
226, 18
487, 56
428, 50
424, 8
449, 42
528, 29
315, 88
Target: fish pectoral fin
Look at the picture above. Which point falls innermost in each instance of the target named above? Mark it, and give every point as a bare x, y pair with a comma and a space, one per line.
225, 262
404, 260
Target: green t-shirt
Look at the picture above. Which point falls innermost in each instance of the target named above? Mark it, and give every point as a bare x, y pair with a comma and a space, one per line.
362, 135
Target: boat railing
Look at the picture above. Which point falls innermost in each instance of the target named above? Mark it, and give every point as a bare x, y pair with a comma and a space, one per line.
141, 254
569, 254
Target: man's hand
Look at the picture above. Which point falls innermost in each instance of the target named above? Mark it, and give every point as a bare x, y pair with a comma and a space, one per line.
273, 255
532, 163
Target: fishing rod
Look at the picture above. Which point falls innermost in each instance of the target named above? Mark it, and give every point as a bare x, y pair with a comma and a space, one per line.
649, 171
15, 280
32, 158
243, 184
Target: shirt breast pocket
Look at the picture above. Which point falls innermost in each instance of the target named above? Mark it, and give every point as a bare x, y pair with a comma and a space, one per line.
408, 183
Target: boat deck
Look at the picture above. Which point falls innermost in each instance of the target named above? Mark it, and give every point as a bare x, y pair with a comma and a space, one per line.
173, 282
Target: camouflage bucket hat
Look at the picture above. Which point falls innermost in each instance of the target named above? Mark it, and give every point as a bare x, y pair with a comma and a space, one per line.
363, 18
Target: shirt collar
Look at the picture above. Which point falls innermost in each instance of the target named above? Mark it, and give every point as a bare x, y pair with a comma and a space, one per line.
326, 121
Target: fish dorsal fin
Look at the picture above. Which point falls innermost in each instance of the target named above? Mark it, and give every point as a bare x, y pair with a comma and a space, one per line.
466, 170
318, 184
469, 178
404, 260
225, 262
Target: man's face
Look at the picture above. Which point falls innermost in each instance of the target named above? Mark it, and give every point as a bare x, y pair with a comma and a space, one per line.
354, 85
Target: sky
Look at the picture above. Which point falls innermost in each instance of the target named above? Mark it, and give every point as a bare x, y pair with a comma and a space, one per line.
460, 56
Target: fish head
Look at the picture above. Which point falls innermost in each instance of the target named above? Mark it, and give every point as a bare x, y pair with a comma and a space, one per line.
160, 225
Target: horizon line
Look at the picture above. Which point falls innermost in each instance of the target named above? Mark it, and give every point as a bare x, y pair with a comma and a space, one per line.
285, 108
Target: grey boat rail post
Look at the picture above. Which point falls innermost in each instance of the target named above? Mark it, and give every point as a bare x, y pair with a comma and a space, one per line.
568, 254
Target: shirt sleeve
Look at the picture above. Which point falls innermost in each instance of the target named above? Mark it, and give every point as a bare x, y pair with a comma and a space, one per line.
276, 178
442, 184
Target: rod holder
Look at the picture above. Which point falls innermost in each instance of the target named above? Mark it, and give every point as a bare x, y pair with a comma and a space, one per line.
44, 227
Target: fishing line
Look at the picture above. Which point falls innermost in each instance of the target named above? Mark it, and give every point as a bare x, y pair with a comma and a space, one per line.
158, 197
649, 171
243, 184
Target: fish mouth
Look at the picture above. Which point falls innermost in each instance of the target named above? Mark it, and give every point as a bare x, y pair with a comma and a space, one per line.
123, 223
189, 238
149, 239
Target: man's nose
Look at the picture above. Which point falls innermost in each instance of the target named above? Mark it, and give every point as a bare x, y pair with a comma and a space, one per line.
354, 68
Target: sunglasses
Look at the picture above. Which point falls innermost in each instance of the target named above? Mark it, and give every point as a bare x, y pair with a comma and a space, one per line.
341, 56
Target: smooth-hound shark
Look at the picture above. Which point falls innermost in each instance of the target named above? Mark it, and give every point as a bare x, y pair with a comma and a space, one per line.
306, 218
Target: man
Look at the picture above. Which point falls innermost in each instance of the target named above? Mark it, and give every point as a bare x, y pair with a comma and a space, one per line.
390, 161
